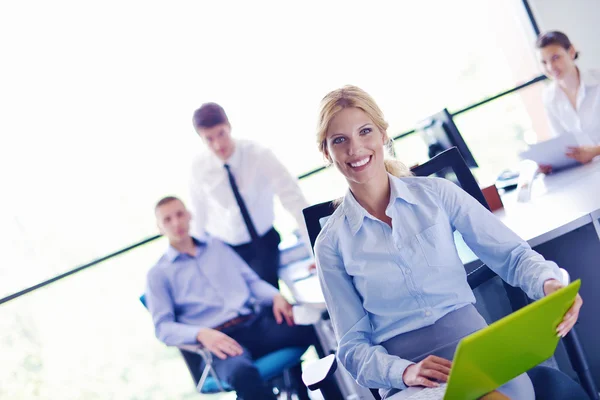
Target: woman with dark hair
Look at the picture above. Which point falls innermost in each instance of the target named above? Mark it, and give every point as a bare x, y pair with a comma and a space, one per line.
572, 100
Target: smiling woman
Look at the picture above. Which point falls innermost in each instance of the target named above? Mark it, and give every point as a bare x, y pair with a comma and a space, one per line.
402, 317
352, 133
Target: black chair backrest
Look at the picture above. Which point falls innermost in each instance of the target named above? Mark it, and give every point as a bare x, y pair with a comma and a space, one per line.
312, 218
452, 159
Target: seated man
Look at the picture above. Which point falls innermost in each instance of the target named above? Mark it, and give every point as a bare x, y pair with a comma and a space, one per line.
203, 292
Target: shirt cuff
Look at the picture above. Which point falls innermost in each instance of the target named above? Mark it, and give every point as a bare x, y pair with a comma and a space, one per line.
189, 334
544, 276
397, 371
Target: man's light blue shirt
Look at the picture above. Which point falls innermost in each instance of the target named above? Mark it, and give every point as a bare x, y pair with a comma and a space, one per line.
380, 282
186, 293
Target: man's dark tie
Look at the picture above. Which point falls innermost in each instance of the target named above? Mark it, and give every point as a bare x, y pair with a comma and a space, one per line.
242, 205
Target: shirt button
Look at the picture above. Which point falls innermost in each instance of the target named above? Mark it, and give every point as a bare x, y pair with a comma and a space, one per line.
428, 313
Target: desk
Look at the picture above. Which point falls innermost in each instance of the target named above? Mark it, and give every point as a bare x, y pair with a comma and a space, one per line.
559, 204
303, 285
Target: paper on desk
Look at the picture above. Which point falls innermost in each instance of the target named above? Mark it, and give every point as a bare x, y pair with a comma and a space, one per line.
552, 152
306, 315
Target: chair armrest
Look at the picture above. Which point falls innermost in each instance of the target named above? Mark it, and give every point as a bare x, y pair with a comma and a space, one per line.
580, 364
197, 349
192, 348
317, 372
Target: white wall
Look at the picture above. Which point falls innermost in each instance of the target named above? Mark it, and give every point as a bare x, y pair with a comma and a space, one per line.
579, 19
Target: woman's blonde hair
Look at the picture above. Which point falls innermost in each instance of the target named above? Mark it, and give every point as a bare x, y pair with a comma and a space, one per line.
354, 97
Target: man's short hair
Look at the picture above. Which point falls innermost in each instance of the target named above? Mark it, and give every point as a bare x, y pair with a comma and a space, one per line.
166, 200
209, 115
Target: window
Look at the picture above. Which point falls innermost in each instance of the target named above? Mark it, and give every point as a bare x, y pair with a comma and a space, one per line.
97, 121
89, 337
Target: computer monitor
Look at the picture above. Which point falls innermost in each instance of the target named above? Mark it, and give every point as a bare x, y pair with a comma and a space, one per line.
440, 133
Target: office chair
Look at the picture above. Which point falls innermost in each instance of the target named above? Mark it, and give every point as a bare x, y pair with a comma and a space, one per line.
452, 159
274, 367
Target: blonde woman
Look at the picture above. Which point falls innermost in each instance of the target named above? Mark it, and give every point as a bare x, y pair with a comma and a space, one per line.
395, 287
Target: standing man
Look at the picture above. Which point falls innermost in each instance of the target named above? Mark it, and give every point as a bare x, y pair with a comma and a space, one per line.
232, 192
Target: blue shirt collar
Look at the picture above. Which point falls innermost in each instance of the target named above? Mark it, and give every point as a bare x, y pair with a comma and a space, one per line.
355, 213
172, 253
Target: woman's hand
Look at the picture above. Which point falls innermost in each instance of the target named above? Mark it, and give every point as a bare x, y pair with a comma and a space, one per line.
551, 286
583, 154
545, 169
427, 372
